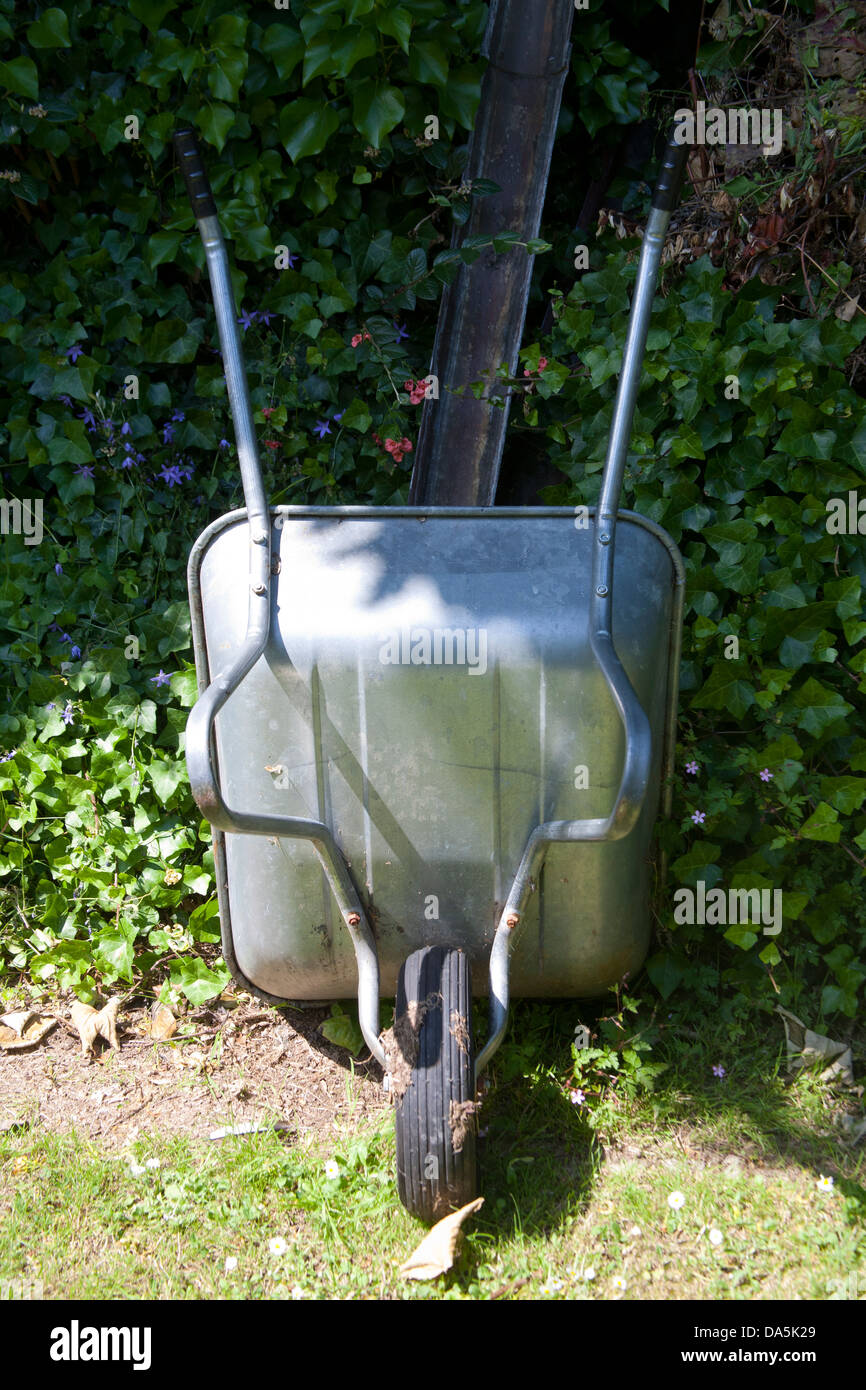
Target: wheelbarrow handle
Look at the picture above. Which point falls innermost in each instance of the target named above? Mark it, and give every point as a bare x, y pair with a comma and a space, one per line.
200, 734
667, 189
194, 173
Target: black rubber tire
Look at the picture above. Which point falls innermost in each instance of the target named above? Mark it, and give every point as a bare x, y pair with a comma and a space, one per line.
432, 1177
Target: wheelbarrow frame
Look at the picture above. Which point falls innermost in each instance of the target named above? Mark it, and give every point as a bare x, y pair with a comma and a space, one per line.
200, 750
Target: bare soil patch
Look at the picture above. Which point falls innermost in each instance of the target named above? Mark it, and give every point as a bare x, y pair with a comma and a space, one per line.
225, 1066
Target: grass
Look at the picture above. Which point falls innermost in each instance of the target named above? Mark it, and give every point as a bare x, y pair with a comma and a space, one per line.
576, 1196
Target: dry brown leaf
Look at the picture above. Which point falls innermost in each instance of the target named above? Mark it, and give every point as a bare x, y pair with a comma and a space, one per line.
24, 1028
93, 1024
435, 1254
162, 1022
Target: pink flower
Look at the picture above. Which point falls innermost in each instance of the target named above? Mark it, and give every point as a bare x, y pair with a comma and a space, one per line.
766, 775
692, 767
542, 363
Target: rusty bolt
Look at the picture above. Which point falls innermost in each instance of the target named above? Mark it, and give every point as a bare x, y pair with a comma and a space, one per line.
353, 919
512, 920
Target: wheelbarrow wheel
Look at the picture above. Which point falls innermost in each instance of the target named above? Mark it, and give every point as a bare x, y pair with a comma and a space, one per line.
432, 1076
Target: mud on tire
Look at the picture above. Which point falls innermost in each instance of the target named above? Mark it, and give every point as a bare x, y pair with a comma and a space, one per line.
432, 1067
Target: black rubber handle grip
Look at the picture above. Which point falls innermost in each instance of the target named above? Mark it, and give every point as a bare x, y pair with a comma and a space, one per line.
192, 168
667, 189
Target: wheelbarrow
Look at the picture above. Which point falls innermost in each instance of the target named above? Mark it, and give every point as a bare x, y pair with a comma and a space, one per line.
424, 734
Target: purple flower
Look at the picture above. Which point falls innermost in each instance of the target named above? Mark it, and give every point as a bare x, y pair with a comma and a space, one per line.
6, 756
74, 653
160, 678
167, 433
140, 458
718, 1070
65, 400
246, 319
766, 775
178, 415
321, 428
265, 316
67, 715
339, 417
58, 569
290, 259
699, 817
53, 627
224, 444
577, 1097
171, 474
126, 428
692, 767
74, 352
401, 331
51, 706
64, 637
127, 462
85, 470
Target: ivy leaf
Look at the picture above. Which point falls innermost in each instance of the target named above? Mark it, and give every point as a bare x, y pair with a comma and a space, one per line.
846, 794
376, 109
50, 30
460, 95
664, 973
194, 980
215, 122
306, 126
20, 76
397, 24
284, 46
428, 62
151, 12
822, 825
725, 689
343, 1030
818, 708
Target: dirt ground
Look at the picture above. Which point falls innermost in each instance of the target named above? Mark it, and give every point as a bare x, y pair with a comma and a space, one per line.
226, 1065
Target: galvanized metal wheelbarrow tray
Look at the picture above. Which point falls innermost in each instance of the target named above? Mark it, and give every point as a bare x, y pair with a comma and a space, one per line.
424, 732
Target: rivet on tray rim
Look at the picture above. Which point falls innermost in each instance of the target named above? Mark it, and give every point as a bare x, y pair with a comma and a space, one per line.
259, 588
601, 590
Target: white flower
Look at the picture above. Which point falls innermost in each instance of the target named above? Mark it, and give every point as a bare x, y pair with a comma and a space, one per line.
635, 1231
619, 1283
552, 1286
136, 1170
716, 1236
298, 1292
152, 1163
676, 1200
589, 1274
277, 1246
231, 1263
825, 1184
332, 1168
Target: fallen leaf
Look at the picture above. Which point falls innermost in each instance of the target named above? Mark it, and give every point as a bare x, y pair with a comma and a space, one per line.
846, 311
805, 1048
435, 1254
93, 1024
162, 1022
24, 1028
